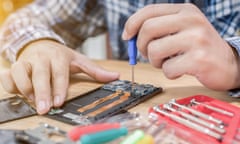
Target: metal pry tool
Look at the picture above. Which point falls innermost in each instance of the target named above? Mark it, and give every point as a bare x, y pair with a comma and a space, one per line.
132, 53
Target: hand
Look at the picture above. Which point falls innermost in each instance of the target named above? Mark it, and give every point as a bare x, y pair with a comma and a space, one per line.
179, 39
42, 71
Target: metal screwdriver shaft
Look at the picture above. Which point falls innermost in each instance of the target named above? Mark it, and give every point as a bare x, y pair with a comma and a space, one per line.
133, 75
132, 53
188, 123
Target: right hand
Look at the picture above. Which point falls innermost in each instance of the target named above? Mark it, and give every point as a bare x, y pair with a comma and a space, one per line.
42, 71
180, 40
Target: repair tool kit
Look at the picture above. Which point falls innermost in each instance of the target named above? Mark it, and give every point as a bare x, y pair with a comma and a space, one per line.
100, 117
209, 120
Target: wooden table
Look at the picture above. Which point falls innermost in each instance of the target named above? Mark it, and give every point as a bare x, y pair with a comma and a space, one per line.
144, 73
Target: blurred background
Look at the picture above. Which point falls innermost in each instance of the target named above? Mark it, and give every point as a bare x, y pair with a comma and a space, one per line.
9, 6
94, 48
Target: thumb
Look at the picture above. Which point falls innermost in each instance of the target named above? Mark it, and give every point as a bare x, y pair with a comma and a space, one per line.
81, 63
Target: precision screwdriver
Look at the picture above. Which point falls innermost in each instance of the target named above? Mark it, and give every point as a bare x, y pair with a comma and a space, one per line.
132, 53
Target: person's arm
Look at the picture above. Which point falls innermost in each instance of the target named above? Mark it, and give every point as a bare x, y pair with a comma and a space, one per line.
181, 40
235, 43
225, 18
35, 34
69, 22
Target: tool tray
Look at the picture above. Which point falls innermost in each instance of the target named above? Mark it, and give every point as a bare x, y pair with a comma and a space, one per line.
231, 124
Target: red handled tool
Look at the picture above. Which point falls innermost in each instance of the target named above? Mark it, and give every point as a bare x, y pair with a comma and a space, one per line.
76, 133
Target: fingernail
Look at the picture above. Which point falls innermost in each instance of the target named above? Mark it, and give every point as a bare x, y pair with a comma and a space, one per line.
115, 74
124, 35
41, 106
57, 101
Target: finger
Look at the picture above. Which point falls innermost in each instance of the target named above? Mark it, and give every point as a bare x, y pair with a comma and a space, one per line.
8, 82
60, 80
93, 70
164, 48
20, 73
134, 23
158, 27
41, 85
177, 66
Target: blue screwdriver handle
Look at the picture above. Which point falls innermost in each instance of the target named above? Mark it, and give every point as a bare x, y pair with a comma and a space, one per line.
132, 50
103, 136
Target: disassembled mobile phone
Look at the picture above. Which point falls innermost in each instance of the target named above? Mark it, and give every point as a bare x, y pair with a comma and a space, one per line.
110, 99
14, 108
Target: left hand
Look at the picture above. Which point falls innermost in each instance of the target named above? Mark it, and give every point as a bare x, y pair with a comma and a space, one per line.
42, 70
179, 39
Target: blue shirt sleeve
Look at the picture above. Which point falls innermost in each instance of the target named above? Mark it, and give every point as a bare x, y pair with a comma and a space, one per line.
235, 43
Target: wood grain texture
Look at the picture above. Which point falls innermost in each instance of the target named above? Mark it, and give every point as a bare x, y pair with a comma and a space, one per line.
144, 73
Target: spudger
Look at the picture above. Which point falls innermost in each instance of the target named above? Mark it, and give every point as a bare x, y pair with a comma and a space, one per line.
132, 53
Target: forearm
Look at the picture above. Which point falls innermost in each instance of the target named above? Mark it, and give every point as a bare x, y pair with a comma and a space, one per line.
62, 21
23, 27
13, 43
235, 44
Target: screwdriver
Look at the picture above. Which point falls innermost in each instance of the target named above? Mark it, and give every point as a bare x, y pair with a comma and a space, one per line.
132, 53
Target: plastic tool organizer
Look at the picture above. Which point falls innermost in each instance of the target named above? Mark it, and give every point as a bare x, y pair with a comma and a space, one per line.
221, 124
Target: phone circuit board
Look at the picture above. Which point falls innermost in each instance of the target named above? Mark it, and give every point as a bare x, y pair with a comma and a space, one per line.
112, 98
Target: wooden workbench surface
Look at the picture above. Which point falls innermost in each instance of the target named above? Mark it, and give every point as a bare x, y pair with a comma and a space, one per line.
144, 73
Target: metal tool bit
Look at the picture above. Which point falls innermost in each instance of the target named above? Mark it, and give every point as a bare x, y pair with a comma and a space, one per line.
197, 113
133, 77
188, 123
195, 119
193, 101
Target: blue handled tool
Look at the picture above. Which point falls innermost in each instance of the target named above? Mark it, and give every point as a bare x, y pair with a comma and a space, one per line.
132, 53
